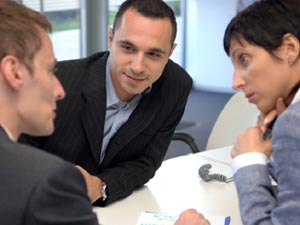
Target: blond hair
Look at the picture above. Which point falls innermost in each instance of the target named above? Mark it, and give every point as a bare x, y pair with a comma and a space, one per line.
20, 31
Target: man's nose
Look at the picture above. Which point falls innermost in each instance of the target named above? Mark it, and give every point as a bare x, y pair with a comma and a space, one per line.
138, 63
59, 91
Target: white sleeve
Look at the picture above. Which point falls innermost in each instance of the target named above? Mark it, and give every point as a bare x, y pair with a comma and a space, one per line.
248, 159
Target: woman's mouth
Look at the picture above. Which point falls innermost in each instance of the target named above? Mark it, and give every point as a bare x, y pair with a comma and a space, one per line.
250, 97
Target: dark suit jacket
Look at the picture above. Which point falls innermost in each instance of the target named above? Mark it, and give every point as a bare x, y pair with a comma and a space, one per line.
37, 188
138, 148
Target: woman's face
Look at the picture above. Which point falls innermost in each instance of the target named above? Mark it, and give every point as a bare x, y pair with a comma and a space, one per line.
261, 76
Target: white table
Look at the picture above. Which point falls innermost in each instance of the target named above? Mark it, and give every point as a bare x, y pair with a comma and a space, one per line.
177, 186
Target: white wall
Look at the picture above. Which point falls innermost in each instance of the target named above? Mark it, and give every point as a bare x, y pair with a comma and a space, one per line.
206, 60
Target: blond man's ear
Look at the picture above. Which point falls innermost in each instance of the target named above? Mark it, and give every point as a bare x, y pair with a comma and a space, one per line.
10, 69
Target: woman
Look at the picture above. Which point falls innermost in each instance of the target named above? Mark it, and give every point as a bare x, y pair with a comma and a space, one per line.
263, 44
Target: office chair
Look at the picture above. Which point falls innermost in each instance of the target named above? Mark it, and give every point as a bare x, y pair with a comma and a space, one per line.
188, 139
185, 137
236, 116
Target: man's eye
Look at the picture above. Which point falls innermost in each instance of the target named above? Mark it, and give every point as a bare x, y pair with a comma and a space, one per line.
127, 48
154, 54
54, 70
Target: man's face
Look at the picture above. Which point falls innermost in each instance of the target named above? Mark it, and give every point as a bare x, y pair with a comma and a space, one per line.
139, 51
40, 92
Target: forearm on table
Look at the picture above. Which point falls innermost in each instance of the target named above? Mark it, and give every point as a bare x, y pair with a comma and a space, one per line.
122, 179
255, 193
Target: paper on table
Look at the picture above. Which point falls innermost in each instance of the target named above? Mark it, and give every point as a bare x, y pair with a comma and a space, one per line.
153, 218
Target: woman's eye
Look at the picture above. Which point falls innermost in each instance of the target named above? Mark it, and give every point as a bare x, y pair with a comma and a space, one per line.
243, 58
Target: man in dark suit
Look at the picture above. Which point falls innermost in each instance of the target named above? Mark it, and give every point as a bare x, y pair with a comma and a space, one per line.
36, 188
122, 106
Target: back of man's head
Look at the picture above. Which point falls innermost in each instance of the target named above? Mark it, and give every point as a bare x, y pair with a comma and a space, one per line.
19, 31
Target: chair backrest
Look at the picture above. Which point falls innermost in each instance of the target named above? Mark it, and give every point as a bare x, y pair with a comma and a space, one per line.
236, 115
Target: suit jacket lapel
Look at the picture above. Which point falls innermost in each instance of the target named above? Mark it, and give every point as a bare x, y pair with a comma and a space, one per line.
93, 116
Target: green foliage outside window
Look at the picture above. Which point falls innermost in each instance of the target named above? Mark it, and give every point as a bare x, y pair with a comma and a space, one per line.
176, 6
64, 20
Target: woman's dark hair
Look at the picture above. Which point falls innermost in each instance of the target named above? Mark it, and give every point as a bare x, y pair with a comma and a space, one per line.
264, 23
148, 8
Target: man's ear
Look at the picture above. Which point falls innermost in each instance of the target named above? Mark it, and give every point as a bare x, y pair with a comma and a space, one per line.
10, 68
172, 49
292, 47
110, 36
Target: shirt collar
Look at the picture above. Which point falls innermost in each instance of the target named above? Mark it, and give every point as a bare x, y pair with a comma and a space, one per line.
8, 133
111, 95
296, 97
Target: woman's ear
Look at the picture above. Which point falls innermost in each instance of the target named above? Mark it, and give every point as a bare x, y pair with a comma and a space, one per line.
291, 47
10, 69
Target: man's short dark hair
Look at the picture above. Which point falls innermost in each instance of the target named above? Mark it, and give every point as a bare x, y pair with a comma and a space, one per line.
148, 8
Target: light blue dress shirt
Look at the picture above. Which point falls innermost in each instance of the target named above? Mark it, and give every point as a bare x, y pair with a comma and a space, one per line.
117, 112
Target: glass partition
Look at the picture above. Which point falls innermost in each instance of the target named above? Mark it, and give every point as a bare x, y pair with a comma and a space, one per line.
65, 18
